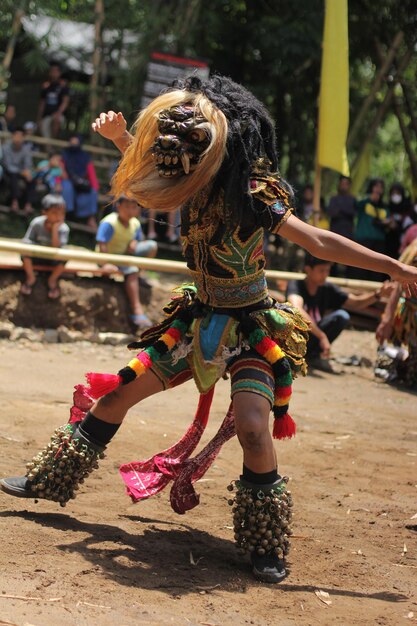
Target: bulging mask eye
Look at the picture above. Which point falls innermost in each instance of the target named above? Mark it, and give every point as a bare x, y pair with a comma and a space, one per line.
198, 135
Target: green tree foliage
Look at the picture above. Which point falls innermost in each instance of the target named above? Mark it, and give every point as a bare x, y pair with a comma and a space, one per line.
271, 46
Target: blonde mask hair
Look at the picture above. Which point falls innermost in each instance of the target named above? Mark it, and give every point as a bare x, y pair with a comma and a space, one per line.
137, 174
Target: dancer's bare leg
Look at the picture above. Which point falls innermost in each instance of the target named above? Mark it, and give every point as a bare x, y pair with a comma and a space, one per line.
252, 413
266, 527
94, 432
113, 407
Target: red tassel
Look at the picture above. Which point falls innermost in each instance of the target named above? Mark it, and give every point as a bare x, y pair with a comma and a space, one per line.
102, 384
284, 427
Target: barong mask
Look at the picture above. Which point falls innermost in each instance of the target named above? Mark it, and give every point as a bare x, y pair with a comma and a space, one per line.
178, 146
201, 136
184, 137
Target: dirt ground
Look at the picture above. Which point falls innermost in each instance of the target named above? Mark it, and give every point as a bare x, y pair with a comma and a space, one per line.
103, 561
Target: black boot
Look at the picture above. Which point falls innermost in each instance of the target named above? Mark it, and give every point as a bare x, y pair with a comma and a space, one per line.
261, 516
18, 486
269, 568
56, 471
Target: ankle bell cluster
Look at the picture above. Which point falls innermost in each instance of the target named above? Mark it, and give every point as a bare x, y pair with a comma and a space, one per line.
56, 472
261, 518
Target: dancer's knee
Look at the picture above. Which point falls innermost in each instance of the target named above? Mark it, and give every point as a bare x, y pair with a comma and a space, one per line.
251, 420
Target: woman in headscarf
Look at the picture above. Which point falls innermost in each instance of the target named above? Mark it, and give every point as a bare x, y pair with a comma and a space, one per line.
80, 185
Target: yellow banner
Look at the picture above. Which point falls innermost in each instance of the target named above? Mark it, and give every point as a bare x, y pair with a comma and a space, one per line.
334, 89
360, 172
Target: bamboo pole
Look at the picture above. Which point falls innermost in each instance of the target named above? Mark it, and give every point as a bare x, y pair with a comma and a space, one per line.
386, 64
316, 191
60, 143
159, 265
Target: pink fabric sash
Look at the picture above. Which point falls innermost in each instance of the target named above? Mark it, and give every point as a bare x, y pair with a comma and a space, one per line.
144, 479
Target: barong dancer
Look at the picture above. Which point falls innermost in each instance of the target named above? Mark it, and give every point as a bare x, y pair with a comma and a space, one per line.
209, 147
398, 325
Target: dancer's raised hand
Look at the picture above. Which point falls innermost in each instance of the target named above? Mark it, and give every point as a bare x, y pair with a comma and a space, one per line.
110, 125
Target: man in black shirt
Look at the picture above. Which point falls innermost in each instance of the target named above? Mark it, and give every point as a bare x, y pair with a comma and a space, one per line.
342, 209
53, 103
323, 305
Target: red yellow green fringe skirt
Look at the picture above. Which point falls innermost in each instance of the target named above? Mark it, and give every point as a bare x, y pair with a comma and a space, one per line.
209, 338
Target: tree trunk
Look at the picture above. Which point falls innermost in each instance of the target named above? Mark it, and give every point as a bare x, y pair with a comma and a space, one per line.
398, 110
8, 56
97, 54
360, 118
380, 114
409, 106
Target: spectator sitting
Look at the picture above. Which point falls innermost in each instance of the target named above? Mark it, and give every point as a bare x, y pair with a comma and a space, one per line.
323, 305
53, 103
7, 120
17, 162
49, 173
80, 184
121, 233
172, 225
48, 229
399, 326
29, 130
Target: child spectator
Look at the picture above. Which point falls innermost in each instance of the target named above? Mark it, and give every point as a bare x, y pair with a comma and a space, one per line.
17, 162
49, 173
49, 229
120, 232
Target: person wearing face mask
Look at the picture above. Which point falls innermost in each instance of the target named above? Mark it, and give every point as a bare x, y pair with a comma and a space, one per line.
401, 210
80, 185
373, 219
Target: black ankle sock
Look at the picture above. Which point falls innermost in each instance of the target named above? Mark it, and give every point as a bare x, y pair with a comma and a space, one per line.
100, 432
259, 479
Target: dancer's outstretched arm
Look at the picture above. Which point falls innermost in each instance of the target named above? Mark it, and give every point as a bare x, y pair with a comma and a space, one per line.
113, 126
327, 245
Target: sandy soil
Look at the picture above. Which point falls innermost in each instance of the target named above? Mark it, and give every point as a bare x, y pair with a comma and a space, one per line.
103, 561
